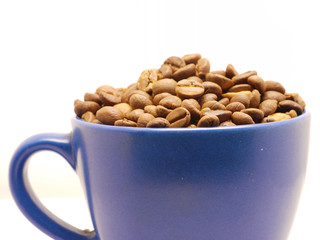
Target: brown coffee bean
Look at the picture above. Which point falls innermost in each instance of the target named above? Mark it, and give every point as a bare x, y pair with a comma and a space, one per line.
128, 93
203, 110
171, 102
227, 124
243, 77
105, 88
208, 121
257, 82
144, 119
297, 98
255, 99
267, 120
220, 72
188, 88
223, 115
211, 87
231, 71
268, 106
152, 109
81, 107
224, 82
274, 86
224, 101
256, 114
235, 107
240, 118
108, 115
158, 122
278, 116
123, 107
232, 94
139, 101
157, 98
191, 58
192, 126
179, 117
195, 78
273, 95
134, 114
165, 71
147, 79
287, 105
292, 113
164, 85
92, 97
240, 87
88, 117
202, 67
242, 98
109, 97
96, 121
162, 111
175, 63
125, 123
213, 105
207, 97
193, 107
185, 72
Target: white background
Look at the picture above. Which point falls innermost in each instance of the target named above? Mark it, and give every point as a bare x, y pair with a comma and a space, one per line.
52, 52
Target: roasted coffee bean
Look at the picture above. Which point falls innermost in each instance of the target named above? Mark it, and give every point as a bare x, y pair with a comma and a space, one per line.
297, 98
255, 99
192, 126
224, 101
227, 124
157, 98
139, 101
81, 107
109, 97
193, 107
207, 97
241, 118
105, 88
256, 114
147, 79
144, 119
231, 71
240, 87
165, 85
191, 58
232, 94
108, 115
158, 123
179, 117
165, 71
189, 88
235, 107
292, 113
88, 117
185, 72
125, 123
220, 72
273, 95
211, 87
224, 82
152, 109
223, 115
279, 116
123, 107
274, 86
175, 63
128, 93
287, 105
208, 121
257, 82
92, 97
243, 77
267, 120
171, 102
268, 106
162, 111
195, 78
242, 98
202, 67
134, 114
213, 105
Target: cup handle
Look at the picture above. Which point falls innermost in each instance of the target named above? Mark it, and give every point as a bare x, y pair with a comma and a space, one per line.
26, 199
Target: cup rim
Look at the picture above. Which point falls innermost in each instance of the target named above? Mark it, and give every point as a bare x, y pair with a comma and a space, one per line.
103, 127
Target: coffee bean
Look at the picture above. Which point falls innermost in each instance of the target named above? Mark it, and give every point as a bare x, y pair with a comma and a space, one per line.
92, 97
134, 114
191, 58
223, 115
165, 71
144, 119
105, 88
175, 63
224, 82
158, 123
189, 89
257, 82
157, 98
192, 126
139, 101
213, 105
109, 97
210, 87
279, 116
88, 117
147, 79
273, 95
235, 106
256, 114
162, 111
185, 72
193, 107
287, 105
274, 86
224, 101
268, 106
125, 123
240, 87
179, 117
108, 115
195, 78
128, 93
208, 121
267, 120
243, 77
242, 98
297, 98
227, 124
292, 113
207, 97
241, 118
220, 72
152, 109
255, 99
232, 94
81, 107
123, 107
231, 71
164, 85
202, 67
170, 102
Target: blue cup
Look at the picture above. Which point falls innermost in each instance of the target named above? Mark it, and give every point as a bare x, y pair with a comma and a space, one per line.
225, 183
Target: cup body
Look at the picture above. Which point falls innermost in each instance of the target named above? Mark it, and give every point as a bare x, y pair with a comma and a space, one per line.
228, 183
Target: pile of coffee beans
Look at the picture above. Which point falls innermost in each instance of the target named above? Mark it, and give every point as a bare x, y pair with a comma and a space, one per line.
185, 92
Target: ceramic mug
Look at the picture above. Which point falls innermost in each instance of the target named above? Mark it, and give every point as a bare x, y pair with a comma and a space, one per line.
223, 183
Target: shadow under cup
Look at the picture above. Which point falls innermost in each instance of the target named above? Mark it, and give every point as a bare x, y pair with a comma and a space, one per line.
224, 183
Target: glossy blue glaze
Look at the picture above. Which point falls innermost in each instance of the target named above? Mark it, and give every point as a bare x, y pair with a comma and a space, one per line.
231, 183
